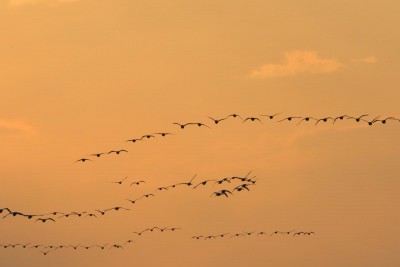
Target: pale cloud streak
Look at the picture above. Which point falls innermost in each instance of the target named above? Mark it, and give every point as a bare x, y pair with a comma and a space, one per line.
16, 126
298, 62
366, 60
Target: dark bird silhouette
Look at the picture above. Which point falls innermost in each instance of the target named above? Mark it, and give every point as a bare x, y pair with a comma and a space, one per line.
357, 119
371, 122
237, 235
290, 118
242, 187
101, 212
116, 209
203, 183
74, 247
197, 237
79, 214
201, 124
388, 118
234, 115
5, 209
91, 215
83, 160
340, 118
103, 246
164, 134
248, 233
306, 119
129, 241
223, 192
54, 213
228, 180
279, 232
45, 220
148, 136
97, 154
137, 182
261, 233
183, 125
243, 179
133, 140
188, 183
216, 121
117, 151
120, 182
271, 117
172, 229
45, 252
324, 120
252, 119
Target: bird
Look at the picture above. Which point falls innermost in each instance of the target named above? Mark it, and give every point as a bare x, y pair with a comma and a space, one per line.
30, 216
172, 229
97, 154
197, 237
236, 235
133, 140
36, 246
117, 208
222, 192
210, 236
272, 116
216, 121
371, 122
201, 124
103, 246
5, 209
101, 212
228, 180
183, 125
340, 118
120, 182
141, 232
234, 115
222, 235
306, 119
164, 134
290, 118
279, 232
117, 151
161, 189
137, 182
388, 118
148, 136
45, 252
324, 120
83, 160
261, 233
252, 119
129, 241
74, 247
91, 215
242, 187
248, 233
79, 214
243, 179
188, 183
45, 219
54, 213
357, 119
203, 183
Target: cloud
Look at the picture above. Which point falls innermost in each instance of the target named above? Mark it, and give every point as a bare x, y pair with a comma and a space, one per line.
366, 60
18, 3
298, 62
15, 126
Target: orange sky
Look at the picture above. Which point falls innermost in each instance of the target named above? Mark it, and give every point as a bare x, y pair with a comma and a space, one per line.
81, 76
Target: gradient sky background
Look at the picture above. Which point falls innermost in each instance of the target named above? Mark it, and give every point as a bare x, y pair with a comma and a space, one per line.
80, 77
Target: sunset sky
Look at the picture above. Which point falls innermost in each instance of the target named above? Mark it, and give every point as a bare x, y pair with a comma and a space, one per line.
82, 76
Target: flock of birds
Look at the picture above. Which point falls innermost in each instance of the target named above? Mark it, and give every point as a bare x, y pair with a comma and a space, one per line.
244, 184
259, 119
46, 249
236, 184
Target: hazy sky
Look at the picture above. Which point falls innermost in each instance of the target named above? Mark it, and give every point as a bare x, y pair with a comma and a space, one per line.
82, 76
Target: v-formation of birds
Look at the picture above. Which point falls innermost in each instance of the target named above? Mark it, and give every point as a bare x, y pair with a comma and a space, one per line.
257, 119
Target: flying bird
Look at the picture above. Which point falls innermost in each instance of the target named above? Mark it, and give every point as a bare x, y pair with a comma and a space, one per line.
120, 182
97, 155
83, 160
45, 220
133, 140
306, 119
272, 116
252, 119
183, 125
164, 134
203, 183
324, 119
137, 182
289, 118
117, 151
357, 119
216, 121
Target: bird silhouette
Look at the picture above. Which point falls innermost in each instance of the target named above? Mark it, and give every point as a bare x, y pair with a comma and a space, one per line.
183, 125
372, 121
252, 119
45, 252
216, 121
120, 182
83, 160
340, 118
97, 155
289, 118
148, 136
164, 134
324, 120
306, 119
271, 117
357, 119
137, 182
388, 118
133, 140
45, 220
117, 151
203, 183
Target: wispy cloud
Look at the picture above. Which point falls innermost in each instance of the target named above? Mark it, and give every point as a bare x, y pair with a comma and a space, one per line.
367, 60
18, 126
18, 3
298, 62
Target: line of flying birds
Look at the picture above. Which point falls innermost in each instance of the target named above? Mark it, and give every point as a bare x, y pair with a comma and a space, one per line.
298, 119
46, 249
55, 215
